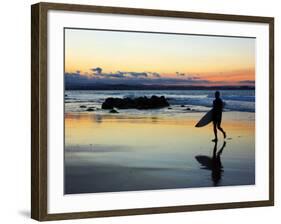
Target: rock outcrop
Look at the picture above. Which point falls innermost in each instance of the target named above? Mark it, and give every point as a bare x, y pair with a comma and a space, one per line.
153, 102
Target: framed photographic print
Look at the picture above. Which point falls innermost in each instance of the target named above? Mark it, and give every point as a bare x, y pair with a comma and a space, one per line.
140, 111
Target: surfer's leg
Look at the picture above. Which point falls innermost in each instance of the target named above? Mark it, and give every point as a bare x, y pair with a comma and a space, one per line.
220, 128
215, 131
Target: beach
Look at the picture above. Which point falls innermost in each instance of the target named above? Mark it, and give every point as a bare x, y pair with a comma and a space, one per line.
155, 149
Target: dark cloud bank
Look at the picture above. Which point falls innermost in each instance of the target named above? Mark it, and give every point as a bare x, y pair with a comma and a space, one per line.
138, 80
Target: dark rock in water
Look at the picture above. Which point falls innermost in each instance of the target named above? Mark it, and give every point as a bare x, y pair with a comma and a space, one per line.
188, 108
113, 111
138, 103
82, 106
90, 109
65, 95
182, 105
169, 108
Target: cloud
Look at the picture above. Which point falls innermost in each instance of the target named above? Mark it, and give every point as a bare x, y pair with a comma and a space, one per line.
113, 75
133, 74
95, 76
108, 75
188, 76
138, 74
129, 78
118, 74
180, 74
248, 82
154, 74
98, 70
76, 79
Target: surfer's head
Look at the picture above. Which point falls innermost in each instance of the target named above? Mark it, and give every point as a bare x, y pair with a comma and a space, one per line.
217, 94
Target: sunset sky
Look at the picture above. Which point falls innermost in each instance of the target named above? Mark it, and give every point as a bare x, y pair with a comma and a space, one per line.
116, 57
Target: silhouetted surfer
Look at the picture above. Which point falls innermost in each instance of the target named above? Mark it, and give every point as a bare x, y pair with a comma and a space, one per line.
217, 115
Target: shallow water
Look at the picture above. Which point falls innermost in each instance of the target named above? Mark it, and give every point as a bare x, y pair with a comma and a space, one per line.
107, 153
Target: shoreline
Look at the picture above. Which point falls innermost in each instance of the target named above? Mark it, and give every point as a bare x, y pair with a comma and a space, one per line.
187, 115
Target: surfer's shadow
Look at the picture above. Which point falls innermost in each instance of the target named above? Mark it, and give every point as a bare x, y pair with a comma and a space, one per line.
213, 163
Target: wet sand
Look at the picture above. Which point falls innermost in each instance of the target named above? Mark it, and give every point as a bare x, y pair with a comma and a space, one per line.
111, 153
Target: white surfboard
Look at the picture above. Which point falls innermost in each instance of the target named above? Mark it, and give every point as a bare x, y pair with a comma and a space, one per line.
206, 119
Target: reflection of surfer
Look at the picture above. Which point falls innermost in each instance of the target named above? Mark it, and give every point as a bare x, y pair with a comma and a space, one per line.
217, 167
217, 116
213, 163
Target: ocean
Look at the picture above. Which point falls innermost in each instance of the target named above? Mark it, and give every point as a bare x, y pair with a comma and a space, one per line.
196, 100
